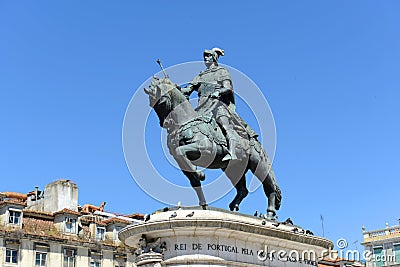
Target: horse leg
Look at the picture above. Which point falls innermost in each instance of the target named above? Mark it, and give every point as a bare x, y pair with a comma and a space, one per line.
196, 184
240, 186
190, 171
270, 193
261, 167
181, 157
241, 193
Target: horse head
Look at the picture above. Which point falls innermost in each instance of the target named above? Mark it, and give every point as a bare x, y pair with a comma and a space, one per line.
159, 92
172, 107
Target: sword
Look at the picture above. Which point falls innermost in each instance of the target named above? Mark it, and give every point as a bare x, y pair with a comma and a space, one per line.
162, 68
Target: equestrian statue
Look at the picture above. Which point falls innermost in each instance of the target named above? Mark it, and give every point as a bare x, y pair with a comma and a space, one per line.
213, 135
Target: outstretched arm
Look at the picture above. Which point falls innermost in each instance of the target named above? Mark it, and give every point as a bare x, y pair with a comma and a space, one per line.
186, 91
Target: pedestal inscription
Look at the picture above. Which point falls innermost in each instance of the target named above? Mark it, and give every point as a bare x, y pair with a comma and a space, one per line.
217, 237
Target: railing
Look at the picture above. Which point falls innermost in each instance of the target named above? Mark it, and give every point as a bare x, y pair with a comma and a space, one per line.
377, 233
394, 230
382, 233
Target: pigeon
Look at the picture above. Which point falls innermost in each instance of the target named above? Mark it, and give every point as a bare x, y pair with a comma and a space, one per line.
263, 222
295, 230
146, 217
173, 215
255, 214
165, 209
276, 224
288, 222
190, 214
308, 232
302, 231
260, 215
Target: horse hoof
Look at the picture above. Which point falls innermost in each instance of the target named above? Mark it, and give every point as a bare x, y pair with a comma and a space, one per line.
234, 207
270, 216
201, 176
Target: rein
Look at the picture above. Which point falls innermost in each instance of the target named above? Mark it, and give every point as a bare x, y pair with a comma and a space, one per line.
189, 123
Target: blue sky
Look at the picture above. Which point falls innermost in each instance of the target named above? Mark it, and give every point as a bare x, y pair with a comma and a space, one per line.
329, 70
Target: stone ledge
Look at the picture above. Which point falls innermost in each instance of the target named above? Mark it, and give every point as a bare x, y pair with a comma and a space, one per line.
218, 223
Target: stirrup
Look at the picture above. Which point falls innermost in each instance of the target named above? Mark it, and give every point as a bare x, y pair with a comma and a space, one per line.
233, 156
227, 157
230, 156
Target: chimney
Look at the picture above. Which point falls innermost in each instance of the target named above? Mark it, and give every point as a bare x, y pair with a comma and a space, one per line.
61, 194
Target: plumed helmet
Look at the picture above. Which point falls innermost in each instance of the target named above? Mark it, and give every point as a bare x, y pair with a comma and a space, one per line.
215, 52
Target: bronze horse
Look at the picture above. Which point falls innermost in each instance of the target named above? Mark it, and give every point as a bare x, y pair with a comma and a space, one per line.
197, 140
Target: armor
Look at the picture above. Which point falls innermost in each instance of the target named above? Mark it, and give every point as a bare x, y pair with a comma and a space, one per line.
216, 98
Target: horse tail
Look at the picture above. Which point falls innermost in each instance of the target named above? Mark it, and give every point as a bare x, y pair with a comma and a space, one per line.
278, 197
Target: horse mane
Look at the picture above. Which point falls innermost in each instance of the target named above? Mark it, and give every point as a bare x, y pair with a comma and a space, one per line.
162, 111
175, 93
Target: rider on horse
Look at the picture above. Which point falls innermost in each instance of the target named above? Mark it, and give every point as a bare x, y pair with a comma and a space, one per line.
212, 84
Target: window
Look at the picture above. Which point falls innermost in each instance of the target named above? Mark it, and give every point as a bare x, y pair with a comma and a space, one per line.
396, 250
100, 233
70, 225
14, 216
40, 259
11, 255
94, 263
378, 256
95, 259
41, 252
116, 231
69, 257
120, 260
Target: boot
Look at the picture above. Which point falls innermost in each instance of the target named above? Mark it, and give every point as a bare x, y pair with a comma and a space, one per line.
232, 149
231, 137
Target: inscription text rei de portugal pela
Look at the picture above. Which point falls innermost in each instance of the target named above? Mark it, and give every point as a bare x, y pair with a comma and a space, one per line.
219, 247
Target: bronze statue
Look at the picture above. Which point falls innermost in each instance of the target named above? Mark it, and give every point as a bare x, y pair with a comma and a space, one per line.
214, 135
215, 82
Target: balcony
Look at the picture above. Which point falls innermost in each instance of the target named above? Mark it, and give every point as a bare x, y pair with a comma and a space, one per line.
382, 234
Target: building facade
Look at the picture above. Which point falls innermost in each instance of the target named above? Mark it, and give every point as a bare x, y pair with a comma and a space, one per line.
49, 228
339, 262
382, 246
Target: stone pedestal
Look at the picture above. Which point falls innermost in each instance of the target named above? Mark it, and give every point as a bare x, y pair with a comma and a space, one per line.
214, 237
149, 259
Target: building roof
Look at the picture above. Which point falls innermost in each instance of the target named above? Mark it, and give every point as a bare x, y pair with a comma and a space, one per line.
40, 227
67, 211
35, 213
13, 201
329, 262
136, 216
116, 220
